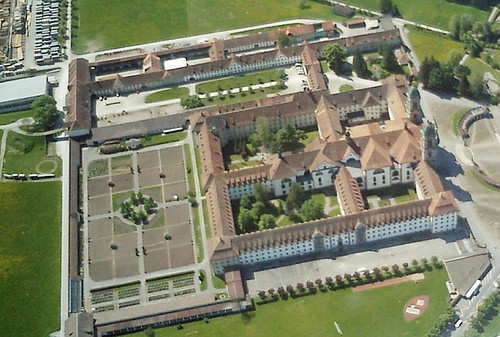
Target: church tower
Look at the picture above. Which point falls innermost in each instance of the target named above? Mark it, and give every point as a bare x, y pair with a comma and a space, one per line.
429, 140
412, 105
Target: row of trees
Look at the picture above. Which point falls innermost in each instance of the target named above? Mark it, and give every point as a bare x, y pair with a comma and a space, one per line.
347, 280
441, 322
486, 311
474, 34
287, 138
450, 76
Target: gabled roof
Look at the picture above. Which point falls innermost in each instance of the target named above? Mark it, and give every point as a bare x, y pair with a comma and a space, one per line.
374, 156
443, 203
348, 192
406, 148
328, 120
211, 155
427, 179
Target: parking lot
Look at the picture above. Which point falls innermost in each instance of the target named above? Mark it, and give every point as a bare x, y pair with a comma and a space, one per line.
119, 248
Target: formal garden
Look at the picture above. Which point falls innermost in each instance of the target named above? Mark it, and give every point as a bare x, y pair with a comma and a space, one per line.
313, 308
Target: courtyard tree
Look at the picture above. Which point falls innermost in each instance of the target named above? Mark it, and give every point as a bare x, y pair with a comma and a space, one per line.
311, 210
300, 287
283, 40
329, 280
258, 210
335, 56
246, 221
262, 294
270, 291
263, 134
191, 102
319, 282
338, 279
267, 221
289, 137
261, 193
295, 198
359, 64
435, 261
389, 61
245, 202
45, 112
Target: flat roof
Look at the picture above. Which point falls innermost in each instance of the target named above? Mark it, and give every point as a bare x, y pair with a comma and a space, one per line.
23, 88
175, 63
467, 269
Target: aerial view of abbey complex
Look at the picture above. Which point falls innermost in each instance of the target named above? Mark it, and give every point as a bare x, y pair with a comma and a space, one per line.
232, 168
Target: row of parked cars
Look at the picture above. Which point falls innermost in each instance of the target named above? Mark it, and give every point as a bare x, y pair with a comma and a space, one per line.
47, 49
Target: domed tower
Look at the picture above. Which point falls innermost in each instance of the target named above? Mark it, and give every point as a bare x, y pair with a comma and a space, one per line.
413, 109
429, 141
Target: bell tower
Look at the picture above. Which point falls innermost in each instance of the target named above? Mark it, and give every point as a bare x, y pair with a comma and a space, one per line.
429, 142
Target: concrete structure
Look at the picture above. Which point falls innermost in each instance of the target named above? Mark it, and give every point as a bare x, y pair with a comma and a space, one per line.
19, 94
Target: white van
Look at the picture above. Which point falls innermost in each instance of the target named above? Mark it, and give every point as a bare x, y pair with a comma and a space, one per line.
458, 323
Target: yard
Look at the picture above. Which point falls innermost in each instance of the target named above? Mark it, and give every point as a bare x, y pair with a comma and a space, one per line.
30, 258
240, 97
165, 95
101, 23
380, 311
239, 81
163, 139
426, 43
479, 68
28, 154
10, 117
432, 12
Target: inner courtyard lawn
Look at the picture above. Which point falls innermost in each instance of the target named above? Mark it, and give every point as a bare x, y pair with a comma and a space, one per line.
110, 24
30, 221
372, 313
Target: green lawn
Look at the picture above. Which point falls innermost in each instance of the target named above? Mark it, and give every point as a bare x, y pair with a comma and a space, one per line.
163, 139
478, 68
239, 81
425, 44
9, 117
100, 24
189, 167
371, 313
432, 12
168, 94
243, 164
410, 195
208, 231
456, 119
346, 88
25, 153
197, 233
198, 166
261, 30
240, 97
493, 327
311, 136
30, 220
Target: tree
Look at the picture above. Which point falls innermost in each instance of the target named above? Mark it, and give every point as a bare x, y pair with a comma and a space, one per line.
261, 193
300, 287
311, 210
395, 11
149, 332
329, 280
289, 137
262, 294
463, 87
246, 221
191, 102
270, 291
385, 6
460, 25
359, 64
389, 61
245, 202
45, 112
263, 132
425, 69
258, 210
338, 279
319, 282
335, 56
283, 40
267, 221
478, 87
296, 197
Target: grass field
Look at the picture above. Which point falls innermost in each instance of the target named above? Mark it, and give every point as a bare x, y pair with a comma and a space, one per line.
30, 219
426, 43
493, 327
371, 313
163, 139
479, 68
239, 81
9, 117
238, 98
168, 94
100, 24
24, 154
432, 12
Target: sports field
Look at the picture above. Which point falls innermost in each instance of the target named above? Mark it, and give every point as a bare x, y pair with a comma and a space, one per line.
371, 313
30, 221
117, 23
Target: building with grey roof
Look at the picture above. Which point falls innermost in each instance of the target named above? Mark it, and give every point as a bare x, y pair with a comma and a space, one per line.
19, 94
